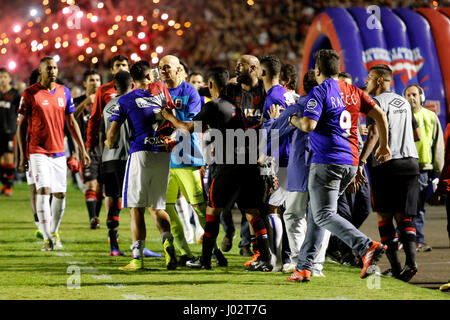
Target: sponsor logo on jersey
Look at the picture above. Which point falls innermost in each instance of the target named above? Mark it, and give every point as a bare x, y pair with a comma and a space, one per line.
311, 106
396, 102
45, 103
153, 141
148, 102
250, 112
111, 109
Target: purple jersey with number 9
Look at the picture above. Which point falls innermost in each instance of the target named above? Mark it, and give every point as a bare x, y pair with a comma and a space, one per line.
335, 105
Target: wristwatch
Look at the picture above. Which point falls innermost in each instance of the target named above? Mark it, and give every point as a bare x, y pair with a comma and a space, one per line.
362, 162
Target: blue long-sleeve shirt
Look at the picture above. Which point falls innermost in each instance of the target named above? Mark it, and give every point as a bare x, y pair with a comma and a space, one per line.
275, 95
299, 149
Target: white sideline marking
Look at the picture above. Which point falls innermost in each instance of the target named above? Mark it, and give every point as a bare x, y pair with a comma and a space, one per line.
102, 277
76, 262
116, 286
135, 297
89, 269
63, 254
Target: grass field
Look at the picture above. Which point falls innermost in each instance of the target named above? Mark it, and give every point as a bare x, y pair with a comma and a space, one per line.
28, 273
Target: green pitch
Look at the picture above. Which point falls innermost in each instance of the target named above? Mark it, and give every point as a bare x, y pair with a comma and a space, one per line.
84, 270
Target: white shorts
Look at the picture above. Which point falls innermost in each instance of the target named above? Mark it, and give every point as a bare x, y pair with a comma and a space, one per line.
278, 197
29, 175
146, 180
49, 172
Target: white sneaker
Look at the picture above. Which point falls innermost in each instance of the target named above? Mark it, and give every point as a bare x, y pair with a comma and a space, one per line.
317, 274
288, 268
57, 244
277, 267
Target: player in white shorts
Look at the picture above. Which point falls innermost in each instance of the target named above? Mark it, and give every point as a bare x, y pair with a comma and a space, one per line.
45, 109
147, 169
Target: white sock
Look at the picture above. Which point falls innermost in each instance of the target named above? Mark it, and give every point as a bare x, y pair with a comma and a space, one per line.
58, 206
137, 249
277, 237
44, 215
184, 212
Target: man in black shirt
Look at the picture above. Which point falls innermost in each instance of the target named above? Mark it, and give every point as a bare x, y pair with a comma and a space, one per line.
84, 103
229, 175
249, 95
9, 104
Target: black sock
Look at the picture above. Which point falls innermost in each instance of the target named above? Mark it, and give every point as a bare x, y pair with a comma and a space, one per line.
212, 226
387, 235
98, 206
392, 255
112, 223
112, 234
9, 175
261, 237
3, 174
408, 238
166, 235
90, 197
254, 243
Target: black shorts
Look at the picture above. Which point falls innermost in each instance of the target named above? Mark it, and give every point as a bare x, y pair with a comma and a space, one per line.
394, 193
113, 174
240, 182
6, 144
93, 172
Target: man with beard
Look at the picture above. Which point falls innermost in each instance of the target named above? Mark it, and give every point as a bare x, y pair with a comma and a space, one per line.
236, 177
104, 94
249, 95
45, 109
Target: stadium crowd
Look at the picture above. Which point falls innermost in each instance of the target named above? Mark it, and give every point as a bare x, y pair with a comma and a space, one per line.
225, 29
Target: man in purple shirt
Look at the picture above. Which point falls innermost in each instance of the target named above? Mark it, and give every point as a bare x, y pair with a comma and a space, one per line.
147, 169
270, 73
332, 126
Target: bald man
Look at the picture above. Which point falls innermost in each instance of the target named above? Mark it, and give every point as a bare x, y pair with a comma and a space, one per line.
247, 93
45, 109
185, 168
